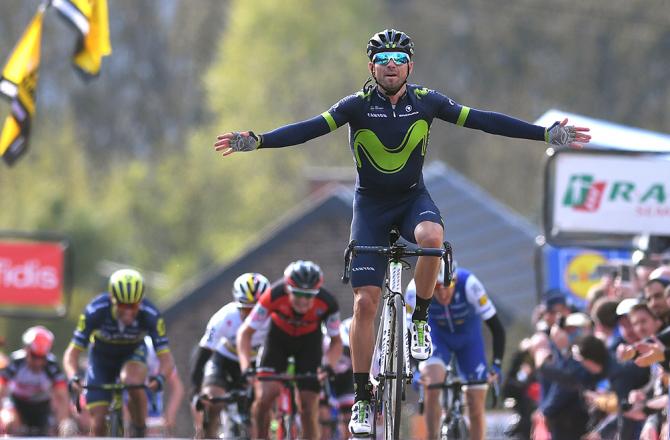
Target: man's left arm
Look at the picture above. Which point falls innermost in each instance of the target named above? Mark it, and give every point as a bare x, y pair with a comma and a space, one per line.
158, 334
479, 299
166, 367
559, 134
498, 338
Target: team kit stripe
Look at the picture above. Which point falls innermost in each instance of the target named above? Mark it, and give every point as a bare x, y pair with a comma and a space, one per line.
463, 116
250, 283
329, 119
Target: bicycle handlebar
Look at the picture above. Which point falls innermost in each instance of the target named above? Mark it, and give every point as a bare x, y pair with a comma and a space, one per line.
108, 387
232, 396
114, 386
397, 251
287, 377
455, 384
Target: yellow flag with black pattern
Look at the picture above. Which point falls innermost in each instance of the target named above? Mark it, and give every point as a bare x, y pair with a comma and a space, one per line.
18, 83
90, 19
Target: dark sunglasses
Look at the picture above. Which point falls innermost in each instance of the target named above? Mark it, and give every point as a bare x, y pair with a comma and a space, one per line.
398, 58
132, 307
300, 294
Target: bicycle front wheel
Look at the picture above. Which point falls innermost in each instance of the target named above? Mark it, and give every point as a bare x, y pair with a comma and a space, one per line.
116, 424
394, 385
457, 429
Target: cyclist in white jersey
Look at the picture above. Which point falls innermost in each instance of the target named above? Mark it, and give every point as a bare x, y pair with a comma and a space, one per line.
217, 368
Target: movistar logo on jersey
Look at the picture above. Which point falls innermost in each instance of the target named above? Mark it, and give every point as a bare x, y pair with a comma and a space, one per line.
390, 159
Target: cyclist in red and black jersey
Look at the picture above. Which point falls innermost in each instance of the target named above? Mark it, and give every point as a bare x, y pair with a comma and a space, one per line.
297, 306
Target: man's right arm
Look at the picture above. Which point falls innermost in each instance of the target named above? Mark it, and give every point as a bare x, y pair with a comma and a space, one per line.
244, 345
200, 358
292, 134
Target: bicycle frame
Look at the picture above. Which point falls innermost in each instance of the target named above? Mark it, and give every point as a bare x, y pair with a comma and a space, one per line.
452, 422
234, 418
390, 369
114, 417
287, 405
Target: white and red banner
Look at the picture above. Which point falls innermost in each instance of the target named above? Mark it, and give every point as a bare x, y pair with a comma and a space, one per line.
611, 194
32, 274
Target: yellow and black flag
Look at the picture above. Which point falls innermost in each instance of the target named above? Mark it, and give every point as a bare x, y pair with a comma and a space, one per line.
18, 83
91, 21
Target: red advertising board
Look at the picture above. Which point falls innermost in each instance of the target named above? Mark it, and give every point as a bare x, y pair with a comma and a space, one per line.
32, 274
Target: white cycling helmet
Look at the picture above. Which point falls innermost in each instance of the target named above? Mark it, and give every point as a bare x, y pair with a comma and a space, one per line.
248, 287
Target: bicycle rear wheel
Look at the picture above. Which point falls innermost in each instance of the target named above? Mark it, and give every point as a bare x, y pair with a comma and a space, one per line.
393, 386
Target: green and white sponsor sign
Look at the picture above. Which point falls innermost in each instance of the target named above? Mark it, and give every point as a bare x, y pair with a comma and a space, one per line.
611, 194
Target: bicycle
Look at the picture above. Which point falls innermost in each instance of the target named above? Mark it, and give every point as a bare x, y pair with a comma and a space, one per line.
453, 425
114, 417
236, 421
390, 369
289, 426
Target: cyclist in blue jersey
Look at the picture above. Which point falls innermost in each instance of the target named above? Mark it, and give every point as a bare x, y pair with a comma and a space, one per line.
455, 316
388, 134
115, 323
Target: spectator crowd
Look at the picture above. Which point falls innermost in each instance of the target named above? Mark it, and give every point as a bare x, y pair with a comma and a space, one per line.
601, 372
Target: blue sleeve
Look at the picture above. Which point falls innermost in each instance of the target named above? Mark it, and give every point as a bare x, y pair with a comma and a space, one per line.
155, 327
301, 132
503, 125
495, 123
85, 325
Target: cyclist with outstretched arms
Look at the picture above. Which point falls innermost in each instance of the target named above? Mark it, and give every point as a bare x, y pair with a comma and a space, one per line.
455, 316
216, 369
295, 307
388, 133
115, 323
32, 387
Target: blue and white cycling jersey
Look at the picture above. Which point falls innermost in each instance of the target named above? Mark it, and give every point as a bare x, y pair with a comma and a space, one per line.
457, 328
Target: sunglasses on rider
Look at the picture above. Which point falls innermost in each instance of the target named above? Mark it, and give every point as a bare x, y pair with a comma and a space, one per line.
303, 293
398, 58
131, 307
37, 357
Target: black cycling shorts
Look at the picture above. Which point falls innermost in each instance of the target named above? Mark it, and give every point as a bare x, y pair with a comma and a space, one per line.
33, 414
222, 372
306, 349
374, 216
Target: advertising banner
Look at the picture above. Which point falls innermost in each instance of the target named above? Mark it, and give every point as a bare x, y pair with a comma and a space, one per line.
595, 195
32, 276
574, 270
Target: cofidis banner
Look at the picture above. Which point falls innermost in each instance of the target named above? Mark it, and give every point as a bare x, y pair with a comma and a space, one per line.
33, 276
